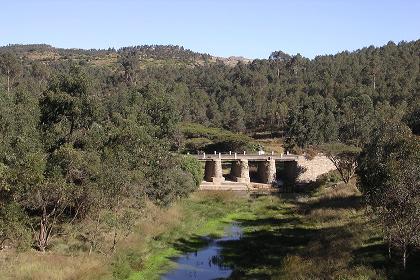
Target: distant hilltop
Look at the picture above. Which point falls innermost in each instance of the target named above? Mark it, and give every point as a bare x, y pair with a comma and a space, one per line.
232, 60
157, 55
145, 53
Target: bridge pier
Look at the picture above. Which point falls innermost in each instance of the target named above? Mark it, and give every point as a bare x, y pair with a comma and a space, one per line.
240, 171
267, 171
214, 171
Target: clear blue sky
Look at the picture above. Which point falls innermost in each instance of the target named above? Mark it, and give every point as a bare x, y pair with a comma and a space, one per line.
220, 27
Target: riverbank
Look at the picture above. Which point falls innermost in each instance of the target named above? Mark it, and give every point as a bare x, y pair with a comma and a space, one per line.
324, 235
141, 255
320, 234
204, 214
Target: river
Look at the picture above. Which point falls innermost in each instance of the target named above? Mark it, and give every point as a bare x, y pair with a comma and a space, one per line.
205, 263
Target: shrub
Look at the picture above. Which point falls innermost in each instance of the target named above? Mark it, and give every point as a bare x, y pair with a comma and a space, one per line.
194, 167
14, 226
173, 184
331, 177
121, 268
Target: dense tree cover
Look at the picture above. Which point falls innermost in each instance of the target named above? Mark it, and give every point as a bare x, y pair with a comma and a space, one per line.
327, 99
85, 143
70, 155
389, 177
145, 51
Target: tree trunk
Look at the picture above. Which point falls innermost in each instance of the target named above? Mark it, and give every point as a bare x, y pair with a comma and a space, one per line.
389, 251
114, 243
404, 257
8, 81
389, 246
374, 81
2, 243
43, 231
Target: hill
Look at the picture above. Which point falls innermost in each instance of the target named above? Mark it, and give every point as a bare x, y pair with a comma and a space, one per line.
145, 53
93, 151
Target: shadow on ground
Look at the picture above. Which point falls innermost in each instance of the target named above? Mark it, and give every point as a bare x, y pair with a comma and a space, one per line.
334, 203
268, 240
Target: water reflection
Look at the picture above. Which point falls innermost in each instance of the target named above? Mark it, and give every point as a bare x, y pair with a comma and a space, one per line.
205, 263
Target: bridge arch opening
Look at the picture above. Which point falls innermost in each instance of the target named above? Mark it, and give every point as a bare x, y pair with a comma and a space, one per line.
286, 173
229, 170
245, 169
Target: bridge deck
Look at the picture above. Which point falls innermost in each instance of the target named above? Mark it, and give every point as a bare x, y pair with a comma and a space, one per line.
249, 157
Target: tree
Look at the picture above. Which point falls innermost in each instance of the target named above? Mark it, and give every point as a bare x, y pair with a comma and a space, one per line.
10, 66
356, 120
233, 115
194, 167
276, 115
330, 128
413, 120
389, 178
344, 158
40, 72
66, 107
22, 159
66, 168
14, 225
49, 199
213, 113
280, 56
129, 62
160, 107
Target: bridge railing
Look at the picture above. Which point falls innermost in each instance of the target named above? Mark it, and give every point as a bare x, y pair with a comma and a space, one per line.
245, 155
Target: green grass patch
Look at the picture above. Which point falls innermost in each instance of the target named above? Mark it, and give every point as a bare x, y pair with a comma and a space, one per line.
204, 215
294, 237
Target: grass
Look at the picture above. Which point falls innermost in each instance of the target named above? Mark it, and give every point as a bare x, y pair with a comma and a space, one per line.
210, 139
272, 145
38, 266
324, 235
204, 214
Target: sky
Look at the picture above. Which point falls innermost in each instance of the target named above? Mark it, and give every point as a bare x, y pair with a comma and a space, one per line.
249, 28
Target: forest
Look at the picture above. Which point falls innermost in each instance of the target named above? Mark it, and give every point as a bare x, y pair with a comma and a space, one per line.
88, 138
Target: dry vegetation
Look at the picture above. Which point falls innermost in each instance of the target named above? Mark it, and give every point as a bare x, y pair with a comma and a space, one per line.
145, 249
321, 233
272, 145
64, 262
340, 228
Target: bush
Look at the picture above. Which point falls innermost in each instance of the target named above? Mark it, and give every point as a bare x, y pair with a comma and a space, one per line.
14, 227
331, 177
194, 167
172, 184
121, 268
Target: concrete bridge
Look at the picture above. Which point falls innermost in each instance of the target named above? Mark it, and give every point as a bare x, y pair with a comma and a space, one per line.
264, 168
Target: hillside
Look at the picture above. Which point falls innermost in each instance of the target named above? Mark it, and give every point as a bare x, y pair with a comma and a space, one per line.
309, 101
95, 173
147, 54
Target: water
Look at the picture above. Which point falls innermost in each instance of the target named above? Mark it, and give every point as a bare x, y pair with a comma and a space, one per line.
204, 264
